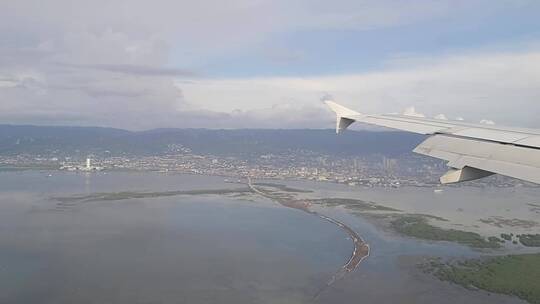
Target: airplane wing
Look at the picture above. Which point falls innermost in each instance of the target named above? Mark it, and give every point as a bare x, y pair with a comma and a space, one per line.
472, 150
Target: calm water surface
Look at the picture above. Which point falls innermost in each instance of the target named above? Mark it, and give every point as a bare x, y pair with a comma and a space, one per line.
194, 249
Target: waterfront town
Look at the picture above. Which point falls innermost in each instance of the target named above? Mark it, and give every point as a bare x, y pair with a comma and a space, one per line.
366, 170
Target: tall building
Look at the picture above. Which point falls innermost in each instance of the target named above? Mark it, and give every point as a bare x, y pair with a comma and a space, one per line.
389, 164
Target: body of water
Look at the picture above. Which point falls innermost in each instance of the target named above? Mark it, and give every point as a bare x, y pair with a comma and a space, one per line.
195, 249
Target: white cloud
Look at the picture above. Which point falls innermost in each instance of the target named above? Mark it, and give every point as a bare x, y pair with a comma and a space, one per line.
106, 62
487, 122
411, 111
503, 86
8, 83
203, 26
441, 116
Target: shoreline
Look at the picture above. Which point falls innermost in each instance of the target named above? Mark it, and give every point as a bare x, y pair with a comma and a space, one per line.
359, 245
361, 250
426, 185
276, 193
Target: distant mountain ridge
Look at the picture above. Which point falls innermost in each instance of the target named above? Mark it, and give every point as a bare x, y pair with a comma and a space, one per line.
47, 140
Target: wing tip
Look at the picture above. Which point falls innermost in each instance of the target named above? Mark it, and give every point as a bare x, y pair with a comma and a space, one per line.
344, 116
339, 109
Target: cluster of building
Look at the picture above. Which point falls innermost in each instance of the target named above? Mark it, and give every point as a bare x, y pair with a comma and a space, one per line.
74, 166
372, 170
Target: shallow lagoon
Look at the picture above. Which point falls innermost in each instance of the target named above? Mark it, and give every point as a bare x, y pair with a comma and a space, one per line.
196, 249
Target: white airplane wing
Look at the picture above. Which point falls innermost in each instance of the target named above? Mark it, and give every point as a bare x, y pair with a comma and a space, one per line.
472, 150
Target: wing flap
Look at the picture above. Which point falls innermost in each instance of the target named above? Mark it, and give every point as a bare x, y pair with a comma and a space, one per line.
405, 124
531, 141
428, 126
518, 162
492, 135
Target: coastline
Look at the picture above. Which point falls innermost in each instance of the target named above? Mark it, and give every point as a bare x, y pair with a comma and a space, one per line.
361, 250
307, 198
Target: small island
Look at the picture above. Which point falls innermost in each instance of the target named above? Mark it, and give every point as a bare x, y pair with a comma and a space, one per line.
517, 275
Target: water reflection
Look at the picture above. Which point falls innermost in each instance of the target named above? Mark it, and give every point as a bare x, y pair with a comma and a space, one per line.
194, 249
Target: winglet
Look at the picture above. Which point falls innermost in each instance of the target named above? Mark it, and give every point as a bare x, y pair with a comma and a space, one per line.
344, 116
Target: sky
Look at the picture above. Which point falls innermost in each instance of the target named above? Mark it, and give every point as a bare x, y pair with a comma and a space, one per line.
139, 65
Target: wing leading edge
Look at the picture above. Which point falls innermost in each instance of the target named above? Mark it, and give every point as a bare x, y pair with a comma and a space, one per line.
472, 150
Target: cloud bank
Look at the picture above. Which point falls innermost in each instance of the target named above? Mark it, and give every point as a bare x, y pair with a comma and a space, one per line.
504, 87
142, 64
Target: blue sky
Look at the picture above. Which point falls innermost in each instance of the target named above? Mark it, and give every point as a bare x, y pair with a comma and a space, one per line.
331, 51
259, 63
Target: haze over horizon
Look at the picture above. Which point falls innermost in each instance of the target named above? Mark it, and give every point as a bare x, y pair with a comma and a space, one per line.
266, 64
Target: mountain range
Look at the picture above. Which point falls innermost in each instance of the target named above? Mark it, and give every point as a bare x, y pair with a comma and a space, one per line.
47, 140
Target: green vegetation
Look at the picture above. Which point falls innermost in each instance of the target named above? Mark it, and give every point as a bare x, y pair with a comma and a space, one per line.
500, 222
530, 240
495, 239
506, 236
114, 196
418, 226
28, 167
353, 204
429, 216
517, 275
283, 187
